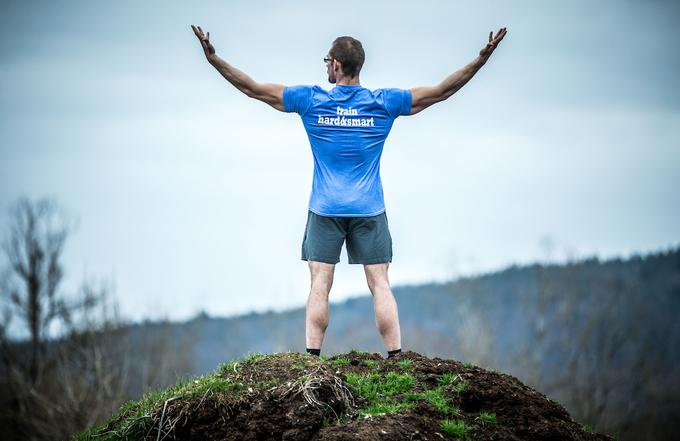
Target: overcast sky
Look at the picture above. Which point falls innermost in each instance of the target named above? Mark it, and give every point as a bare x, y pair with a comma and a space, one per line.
191, 196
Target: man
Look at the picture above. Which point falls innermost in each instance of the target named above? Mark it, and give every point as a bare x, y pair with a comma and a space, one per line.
347, 127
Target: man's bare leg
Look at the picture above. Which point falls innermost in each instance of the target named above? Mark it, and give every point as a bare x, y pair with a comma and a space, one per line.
317, 304
384, 304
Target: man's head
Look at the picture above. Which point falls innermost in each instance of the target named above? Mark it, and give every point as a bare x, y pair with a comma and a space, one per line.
349, 54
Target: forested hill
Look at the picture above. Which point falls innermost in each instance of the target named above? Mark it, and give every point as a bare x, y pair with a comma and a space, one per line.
487, 318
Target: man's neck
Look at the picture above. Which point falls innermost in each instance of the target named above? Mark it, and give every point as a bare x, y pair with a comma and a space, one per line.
348, 81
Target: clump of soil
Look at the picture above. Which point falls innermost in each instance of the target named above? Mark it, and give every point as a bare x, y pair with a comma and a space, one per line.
355, 396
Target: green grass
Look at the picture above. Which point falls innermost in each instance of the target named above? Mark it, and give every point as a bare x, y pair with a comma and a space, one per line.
452, 381
586, 428
379, 390
340, 362
384, 407
457, 428
447, 379
436, 396
405, 364
468, 365
370, 363
487, 417
437, 399
227, 369
254, 357
208, 384
374, 385
459, 387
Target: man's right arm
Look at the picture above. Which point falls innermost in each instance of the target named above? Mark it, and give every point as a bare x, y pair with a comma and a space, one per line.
271, 94
424, 97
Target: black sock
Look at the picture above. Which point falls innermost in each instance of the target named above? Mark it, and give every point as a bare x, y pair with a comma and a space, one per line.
314, 351
391, 353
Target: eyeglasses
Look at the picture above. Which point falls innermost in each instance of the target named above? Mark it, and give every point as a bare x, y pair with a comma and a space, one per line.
327, 60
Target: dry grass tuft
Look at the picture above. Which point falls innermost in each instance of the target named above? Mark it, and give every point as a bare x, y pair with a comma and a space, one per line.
320, 387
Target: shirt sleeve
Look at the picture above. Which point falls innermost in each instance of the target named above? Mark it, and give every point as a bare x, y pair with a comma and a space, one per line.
397, 101
297, 99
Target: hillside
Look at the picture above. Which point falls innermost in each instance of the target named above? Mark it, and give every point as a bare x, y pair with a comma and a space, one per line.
353, 396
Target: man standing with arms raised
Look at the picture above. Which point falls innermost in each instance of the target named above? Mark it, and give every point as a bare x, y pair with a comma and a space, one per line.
347, 127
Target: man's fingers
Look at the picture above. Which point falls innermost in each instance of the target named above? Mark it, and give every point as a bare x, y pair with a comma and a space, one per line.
207, 37
490, 33
499, 36
198, 33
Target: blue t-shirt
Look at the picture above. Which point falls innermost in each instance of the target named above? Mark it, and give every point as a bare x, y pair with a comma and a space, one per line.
347, 127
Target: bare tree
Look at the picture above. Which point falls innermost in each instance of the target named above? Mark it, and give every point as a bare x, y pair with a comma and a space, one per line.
33, 249
53, 385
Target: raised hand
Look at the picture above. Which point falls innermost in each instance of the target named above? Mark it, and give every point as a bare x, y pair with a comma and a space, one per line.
493, 42
208, 48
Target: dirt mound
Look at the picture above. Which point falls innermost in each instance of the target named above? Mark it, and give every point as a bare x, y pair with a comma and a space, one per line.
354, 396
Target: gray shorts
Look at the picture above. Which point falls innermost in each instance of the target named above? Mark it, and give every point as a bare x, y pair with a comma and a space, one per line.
368, 239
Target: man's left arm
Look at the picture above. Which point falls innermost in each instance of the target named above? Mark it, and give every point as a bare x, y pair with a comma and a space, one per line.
424, 97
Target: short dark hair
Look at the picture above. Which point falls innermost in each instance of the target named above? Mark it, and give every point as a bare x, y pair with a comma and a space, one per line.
349, 52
